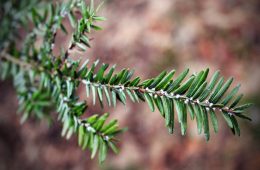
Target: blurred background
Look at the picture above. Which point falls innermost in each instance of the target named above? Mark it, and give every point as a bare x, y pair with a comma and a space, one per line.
151, 36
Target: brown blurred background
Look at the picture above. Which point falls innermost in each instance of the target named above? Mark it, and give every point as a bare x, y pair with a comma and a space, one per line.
151, 36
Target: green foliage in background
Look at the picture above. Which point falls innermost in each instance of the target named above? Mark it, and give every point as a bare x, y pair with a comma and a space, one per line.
44, 81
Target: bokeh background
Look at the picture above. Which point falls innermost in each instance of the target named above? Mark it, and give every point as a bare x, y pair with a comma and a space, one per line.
151, 36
